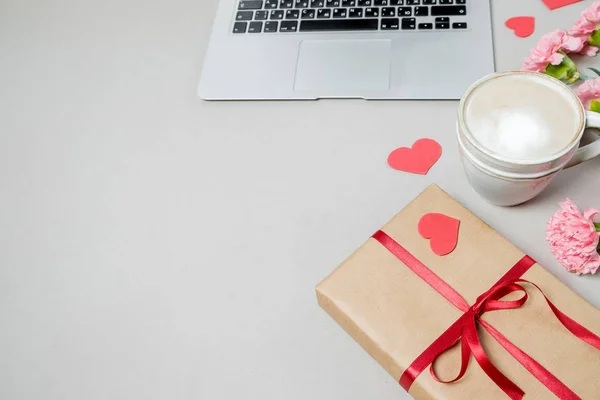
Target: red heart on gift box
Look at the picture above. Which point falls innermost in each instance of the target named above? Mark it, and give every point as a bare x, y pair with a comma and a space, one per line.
523, 26
419, 159
554, 4
442, 231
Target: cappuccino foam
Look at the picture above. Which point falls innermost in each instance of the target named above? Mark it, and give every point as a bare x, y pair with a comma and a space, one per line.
524, 117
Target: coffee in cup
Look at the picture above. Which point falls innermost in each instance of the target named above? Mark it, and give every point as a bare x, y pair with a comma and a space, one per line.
516, 130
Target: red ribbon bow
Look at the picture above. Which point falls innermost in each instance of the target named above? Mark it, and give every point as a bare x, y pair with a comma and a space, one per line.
464, 330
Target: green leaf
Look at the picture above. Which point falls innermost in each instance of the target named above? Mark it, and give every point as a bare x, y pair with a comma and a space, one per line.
595, 71
566, 71
597, 225
595, 38
595, 106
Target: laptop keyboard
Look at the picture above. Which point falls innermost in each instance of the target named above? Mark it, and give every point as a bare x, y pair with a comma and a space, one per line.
287, 16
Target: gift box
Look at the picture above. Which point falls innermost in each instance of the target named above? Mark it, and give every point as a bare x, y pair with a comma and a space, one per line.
484, 309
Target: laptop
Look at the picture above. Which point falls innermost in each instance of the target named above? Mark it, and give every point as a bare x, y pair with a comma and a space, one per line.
369, 49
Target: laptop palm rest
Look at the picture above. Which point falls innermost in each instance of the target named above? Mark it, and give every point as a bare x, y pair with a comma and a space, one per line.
343, 66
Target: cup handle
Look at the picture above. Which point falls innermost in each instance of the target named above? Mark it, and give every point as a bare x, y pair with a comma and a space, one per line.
591, 150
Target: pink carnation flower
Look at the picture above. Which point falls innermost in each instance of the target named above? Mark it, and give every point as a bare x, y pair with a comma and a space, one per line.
548, 50
573, 238
588, 91
582, 29
589, 51
592, 13
585, 26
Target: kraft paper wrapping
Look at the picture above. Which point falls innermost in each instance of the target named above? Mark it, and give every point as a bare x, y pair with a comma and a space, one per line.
394, 315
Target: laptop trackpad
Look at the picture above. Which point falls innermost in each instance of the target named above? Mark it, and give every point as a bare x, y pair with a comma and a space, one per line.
343, 65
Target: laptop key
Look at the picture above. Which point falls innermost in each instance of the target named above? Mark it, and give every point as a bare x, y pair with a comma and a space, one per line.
277, 14
271, 26
322, 13
448, 10
372, 12
421, 11
250, 5
261, 15
301, 3
380, 2
396, 2
388, 24
461, 1
339, 25
286, 4
429, 2
255, 27
413, 2
244, 15
409, 23
388, 12
317, 3
339, 13
271, 4
355, 13
333, 3
308, 13
459, 25
404, 11
348, 3
442, 23
365, 3
240, 27
288, 26
292, 14
426, 26
446, 2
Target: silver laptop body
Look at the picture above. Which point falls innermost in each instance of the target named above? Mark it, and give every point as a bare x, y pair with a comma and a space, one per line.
371, 49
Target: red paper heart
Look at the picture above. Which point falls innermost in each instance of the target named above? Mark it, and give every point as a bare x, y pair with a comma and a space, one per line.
554, 4
442, 230
419, 159
523, 26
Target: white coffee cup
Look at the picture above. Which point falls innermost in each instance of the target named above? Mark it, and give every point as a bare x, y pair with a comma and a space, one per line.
517, 130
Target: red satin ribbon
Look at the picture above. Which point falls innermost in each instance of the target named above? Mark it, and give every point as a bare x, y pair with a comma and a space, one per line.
464, 330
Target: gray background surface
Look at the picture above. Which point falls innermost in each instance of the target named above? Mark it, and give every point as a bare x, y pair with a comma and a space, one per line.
154, 246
